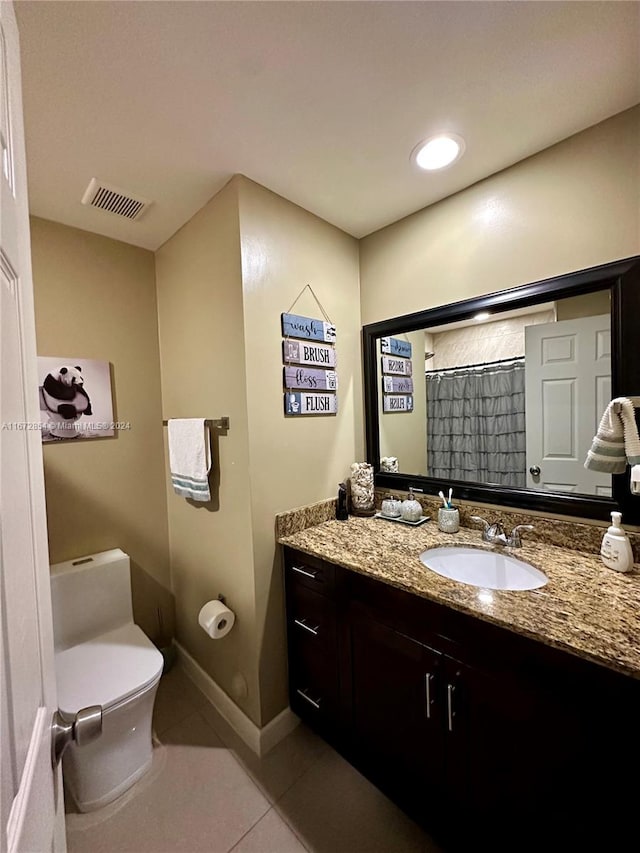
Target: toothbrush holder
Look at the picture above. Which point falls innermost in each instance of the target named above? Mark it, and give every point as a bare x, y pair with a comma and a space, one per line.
448, 519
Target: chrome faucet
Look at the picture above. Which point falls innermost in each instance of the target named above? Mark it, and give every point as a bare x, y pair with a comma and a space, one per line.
495, 534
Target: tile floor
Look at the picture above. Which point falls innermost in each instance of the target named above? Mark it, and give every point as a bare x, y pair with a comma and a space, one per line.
207, 791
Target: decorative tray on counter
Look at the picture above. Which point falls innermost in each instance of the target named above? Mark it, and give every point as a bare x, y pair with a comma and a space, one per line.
417, 523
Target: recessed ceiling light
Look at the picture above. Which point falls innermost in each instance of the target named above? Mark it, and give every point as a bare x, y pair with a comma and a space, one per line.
437, 152
483, 315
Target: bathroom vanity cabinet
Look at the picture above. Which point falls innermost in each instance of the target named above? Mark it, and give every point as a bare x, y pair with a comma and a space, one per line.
476, 731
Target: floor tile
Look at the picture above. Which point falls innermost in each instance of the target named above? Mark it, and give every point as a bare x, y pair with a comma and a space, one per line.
275, 772
334, 809
176, 699
270, 835
198, 798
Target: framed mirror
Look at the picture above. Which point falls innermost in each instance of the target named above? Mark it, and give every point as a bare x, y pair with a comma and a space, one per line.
500, 396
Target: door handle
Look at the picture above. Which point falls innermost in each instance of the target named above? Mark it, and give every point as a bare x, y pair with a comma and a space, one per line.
535, 470
301, 623
83, 728
303, 693
302, 571
427, 690
450, 712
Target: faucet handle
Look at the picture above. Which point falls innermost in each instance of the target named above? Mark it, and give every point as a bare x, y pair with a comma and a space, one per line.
515, 539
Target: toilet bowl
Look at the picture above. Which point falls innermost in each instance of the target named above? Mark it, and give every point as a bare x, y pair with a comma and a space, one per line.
103, 658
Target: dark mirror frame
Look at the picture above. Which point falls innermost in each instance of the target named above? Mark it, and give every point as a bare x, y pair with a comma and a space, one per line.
622, 279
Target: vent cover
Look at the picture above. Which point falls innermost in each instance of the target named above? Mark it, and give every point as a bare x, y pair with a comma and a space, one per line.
114, 200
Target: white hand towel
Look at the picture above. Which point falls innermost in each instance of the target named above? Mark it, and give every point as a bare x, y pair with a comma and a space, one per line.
631, 438
607, 449
190, 458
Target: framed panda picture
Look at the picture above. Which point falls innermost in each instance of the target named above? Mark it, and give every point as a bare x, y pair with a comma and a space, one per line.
75, 399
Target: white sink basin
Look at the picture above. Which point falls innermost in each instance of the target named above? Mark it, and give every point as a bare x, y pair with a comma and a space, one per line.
488, 569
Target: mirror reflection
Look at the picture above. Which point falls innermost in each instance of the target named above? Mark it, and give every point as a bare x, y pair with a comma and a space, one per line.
513, 398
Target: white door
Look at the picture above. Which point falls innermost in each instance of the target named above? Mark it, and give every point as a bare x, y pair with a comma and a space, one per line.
568, 386
32, 813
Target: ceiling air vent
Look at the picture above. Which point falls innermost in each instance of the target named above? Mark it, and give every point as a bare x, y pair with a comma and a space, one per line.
114, 200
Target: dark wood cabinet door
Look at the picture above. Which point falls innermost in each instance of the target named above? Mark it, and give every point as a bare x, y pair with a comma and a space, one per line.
495, 743
397, 715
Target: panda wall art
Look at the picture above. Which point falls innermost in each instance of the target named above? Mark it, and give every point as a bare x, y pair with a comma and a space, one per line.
75, 398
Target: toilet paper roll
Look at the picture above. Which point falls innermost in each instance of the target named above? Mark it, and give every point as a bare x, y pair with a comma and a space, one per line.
216, 619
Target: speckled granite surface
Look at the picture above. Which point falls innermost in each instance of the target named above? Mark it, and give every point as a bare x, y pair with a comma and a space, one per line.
579, 536
299, 519
585, 608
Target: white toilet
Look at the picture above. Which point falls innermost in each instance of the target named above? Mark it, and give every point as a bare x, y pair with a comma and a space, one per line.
103, 658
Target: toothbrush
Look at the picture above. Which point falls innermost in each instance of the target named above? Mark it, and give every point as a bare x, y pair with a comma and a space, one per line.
449, 501
444, 500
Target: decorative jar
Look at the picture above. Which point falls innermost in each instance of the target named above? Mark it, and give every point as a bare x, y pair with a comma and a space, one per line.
391, 507
411, 508
448, 519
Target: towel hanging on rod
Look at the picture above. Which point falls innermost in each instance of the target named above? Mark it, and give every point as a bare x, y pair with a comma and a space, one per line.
635, 402
212, 423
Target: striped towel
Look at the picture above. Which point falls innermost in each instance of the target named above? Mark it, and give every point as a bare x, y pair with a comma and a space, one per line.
616, 442
190, 458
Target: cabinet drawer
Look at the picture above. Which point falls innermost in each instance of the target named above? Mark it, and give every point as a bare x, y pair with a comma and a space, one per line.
310, 572
313, 686
311, 619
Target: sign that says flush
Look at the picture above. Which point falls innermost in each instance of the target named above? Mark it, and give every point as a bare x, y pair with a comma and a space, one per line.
397, 403
301, 403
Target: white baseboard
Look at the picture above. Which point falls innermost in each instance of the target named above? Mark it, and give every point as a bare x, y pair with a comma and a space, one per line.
259, 740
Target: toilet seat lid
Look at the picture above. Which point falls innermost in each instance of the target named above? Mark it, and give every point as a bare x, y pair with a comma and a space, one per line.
107, 669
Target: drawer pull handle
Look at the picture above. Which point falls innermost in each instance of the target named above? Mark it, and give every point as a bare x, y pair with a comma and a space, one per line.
301, 623
304, 572
450, 712
427, 690
302, 693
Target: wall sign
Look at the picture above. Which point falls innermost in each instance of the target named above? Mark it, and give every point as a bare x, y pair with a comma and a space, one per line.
396, 366
302, 403
397, 403
311, 379
397, 385
294, 326
396, 346
316, 355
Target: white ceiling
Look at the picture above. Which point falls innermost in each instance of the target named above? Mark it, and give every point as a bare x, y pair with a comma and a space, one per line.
321, 102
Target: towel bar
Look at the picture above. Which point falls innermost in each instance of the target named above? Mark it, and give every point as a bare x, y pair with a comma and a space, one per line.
634, 400
212, 423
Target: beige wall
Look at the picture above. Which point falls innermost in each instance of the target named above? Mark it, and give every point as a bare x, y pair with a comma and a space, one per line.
587, 305
223, 280
199, 283
95, 298
293, 461
572, 206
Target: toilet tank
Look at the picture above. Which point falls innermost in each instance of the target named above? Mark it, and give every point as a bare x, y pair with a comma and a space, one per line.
90, 596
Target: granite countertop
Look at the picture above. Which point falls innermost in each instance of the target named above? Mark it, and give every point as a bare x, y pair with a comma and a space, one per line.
585, 608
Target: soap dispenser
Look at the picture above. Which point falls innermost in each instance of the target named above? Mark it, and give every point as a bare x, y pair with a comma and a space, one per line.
616, 550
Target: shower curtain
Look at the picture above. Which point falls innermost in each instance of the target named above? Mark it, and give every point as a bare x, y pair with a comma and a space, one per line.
476, 424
